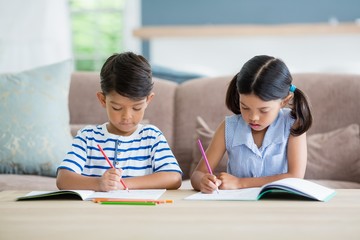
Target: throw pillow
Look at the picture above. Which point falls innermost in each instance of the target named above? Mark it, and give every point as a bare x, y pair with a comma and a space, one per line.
335, 155
34, 120
205, 134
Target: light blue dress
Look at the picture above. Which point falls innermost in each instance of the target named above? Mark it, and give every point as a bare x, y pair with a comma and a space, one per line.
246, 159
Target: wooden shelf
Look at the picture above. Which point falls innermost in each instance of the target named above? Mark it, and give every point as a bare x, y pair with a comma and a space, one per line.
245, 30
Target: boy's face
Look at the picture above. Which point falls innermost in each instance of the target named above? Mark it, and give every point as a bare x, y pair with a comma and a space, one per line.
124, 113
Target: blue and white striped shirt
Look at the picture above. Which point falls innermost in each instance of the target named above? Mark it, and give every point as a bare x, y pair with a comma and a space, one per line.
144, 152
246, 159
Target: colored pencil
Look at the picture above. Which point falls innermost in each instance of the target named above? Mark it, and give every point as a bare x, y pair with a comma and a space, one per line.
129, 203
99, 200
206, 160
112, 166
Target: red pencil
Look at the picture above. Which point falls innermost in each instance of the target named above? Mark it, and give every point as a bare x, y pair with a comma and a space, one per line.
112, 166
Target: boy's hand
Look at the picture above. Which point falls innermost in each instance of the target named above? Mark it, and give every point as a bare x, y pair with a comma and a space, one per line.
209, 183
110, 180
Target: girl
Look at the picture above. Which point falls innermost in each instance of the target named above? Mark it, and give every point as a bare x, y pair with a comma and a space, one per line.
265, 141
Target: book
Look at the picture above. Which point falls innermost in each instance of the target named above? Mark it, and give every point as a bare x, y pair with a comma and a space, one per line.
88, 195
284, 187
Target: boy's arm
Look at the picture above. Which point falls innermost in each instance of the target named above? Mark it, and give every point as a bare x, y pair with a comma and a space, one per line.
158, 180
110, 180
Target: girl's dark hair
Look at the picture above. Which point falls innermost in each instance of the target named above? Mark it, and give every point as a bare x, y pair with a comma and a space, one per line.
128, 74
269, 79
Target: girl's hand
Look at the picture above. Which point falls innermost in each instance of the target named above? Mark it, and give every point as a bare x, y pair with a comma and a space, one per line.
110, 180
229, 181
209, 183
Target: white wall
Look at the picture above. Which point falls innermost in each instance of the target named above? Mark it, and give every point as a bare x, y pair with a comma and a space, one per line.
225, 56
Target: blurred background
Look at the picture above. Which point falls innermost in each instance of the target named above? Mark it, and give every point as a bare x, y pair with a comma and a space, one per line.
182, 39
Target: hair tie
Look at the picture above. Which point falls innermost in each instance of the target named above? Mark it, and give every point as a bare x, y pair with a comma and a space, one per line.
292, 88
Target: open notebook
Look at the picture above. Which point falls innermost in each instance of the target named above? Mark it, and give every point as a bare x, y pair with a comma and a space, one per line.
292, 186
89, 195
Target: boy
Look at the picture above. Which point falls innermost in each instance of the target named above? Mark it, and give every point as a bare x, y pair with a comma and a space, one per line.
139, 153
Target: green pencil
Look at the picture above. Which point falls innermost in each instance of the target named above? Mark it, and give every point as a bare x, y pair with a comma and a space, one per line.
129, 203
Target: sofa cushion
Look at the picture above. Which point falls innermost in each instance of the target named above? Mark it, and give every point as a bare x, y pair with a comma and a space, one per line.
337, 184
203, 97
335, 99
27, 182
205, 134
34, 120
335, 155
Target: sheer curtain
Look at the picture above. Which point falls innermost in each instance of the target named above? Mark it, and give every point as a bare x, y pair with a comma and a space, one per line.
33, 33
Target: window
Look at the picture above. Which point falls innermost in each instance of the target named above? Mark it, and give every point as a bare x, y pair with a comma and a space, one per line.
97, 31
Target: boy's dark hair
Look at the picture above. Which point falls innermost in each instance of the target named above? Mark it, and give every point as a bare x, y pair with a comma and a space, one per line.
269, 79
128, 74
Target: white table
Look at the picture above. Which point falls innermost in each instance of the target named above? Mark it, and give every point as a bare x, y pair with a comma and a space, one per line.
265, 219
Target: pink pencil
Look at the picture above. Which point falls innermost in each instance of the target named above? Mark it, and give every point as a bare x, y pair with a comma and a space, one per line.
112, 166
206, 160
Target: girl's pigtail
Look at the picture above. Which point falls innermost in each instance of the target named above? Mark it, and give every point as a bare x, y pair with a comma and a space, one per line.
301, 112
232, 99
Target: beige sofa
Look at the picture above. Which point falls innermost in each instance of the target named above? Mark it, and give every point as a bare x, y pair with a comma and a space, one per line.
334, 147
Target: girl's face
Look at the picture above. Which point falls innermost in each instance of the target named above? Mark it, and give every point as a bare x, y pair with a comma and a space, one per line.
124, 113
257, 113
